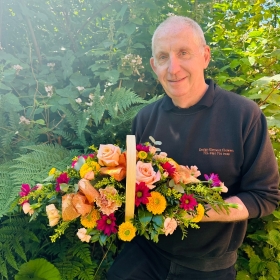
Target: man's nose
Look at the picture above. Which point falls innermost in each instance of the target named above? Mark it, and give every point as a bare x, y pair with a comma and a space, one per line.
174, 65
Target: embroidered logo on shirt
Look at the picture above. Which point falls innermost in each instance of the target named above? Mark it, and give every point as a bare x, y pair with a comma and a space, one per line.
216, 152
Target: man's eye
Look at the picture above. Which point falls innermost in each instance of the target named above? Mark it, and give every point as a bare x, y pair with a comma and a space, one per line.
162, 57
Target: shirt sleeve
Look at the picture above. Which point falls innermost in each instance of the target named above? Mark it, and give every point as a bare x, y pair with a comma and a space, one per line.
260, 175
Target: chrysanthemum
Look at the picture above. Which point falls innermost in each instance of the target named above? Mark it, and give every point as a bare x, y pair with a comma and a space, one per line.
107, 224
187, 202
127, 231
140, 147
142, 154
157, 203
89, 221
141, 194
200, 213
213, 179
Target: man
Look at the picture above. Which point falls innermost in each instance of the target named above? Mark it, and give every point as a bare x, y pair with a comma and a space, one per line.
218, 131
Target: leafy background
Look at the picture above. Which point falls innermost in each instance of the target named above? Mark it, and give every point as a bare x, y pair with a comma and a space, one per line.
74, 73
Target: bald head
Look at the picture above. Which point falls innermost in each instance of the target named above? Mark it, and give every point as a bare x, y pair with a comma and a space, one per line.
173, 23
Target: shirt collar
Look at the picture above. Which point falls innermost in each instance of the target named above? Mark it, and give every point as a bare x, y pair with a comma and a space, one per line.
205, 101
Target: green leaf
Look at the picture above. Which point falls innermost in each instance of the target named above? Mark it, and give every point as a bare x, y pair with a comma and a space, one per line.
11, 102
40, 121
68, 92
78, 80
158, 220
3, 86
255, 33
129, 28
38, 269
144, 216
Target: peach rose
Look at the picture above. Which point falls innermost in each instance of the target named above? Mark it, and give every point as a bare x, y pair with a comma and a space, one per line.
108, 155
83, 236
27, 209
184, 175
145, 173
170, 225
53, 215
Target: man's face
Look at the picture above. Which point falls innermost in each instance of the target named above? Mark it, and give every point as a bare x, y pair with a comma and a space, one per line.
179, 63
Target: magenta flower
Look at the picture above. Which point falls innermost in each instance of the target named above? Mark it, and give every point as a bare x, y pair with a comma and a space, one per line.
62, 178
107, 224
169, 168
25, 190
140, 147
188, 202
213, 179
141, 194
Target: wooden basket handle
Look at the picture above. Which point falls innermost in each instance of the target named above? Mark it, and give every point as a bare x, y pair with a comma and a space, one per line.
130, 177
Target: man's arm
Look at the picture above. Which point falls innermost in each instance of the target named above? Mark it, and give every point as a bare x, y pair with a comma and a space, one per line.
234, 215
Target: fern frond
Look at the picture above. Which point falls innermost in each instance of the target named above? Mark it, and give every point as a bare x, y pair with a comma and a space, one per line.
19, 249
3, 268
82, 251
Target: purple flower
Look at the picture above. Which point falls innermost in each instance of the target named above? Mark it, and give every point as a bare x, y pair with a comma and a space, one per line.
213, 179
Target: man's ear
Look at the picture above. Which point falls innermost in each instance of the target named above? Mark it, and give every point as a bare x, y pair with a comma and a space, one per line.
207, 56
152, 62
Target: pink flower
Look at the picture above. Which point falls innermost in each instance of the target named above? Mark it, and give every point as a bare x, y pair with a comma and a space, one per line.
170, 225
107, 224
183, 174
169, 168
144, 148
83, 236
108, 155
141, 194
108, 200
213, 179
160, 156
152, 150
62, 178
194, 171
187, 202
145, 173
26, 207
25, 190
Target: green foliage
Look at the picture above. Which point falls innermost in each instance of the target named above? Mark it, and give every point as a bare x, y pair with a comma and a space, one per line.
38, 269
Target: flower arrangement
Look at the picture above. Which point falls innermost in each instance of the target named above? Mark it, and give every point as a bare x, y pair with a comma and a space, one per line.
91, 193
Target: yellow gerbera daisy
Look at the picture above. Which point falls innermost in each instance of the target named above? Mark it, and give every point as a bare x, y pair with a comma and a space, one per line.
89, 221
127, 231
142, 154
52, 171
157, 203
200, 213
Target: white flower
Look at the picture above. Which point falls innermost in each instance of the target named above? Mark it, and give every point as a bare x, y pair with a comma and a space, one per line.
51, 64
17, 67
24, 120
80, 88
78, 100
91, 96
49, 90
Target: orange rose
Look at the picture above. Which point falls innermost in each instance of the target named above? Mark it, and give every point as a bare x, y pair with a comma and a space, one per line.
145, 173
108, 155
